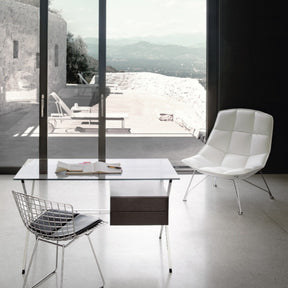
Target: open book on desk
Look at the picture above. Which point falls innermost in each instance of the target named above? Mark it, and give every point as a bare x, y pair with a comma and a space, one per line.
88, 168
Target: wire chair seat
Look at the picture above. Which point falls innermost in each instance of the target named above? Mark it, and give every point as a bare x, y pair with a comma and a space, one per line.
58, 225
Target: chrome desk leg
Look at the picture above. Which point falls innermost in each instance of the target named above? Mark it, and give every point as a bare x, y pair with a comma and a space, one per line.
215, 182
167, 232
168, 249
27, 232
161, 231
169, 188
168, 194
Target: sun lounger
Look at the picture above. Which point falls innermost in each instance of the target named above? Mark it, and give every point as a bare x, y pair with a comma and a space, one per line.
94, 80
62, 108
84, 81
83, 113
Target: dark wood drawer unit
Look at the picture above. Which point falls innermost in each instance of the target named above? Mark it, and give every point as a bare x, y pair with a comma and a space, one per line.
138, 203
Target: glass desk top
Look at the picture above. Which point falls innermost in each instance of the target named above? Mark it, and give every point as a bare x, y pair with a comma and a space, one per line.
132, 169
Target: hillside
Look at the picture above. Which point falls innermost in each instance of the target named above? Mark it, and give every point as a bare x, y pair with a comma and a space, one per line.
146, 95
143, 56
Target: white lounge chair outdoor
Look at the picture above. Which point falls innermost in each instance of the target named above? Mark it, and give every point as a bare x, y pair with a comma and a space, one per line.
84, 81
62, 108
94, 80
83, 113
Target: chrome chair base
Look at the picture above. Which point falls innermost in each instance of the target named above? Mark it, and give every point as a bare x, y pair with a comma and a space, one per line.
235, 182
56, 264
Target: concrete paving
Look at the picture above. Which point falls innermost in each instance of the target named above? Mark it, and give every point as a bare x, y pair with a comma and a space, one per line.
19, 134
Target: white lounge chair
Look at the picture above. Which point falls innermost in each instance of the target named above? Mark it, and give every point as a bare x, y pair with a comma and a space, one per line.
237, 148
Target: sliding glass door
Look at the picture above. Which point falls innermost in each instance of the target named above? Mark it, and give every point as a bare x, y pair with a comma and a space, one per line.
73, 122
145, 97
19, 82
151, 102
156, 76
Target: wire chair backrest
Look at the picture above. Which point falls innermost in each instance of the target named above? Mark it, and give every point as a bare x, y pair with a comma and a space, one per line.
44, 218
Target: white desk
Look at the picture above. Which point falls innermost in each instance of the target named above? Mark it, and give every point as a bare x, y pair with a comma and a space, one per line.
152, 171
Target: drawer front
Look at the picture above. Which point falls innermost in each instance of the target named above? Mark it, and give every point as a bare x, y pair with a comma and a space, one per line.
138, 218
131, 204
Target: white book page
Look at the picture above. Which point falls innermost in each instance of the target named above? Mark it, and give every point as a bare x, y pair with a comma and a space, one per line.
102, 167
88, 167
62, 166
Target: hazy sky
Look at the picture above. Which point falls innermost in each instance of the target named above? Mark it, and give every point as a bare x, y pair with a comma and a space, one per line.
129, 18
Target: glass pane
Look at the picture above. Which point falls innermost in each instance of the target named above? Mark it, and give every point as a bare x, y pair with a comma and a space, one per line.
156, 58
19, 81
73, 79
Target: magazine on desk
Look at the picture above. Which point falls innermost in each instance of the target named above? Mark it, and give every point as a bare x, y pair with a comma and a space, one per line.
88, 168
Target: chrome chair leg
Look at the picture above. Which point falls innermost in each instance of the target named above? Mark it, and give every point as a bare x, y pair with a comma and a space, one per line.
265, 182
188, 187
268, 189
62, 267
30, 262
56, 264
98, 265
48, 275
238, 197
25, 252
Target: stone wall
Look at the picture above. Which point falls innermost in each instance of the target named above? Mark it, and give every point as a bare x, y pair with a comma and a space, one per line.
19, 53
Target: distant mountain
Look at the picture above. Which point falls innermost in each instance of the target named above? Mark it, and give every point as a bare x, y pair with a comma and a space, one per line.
144, 56
191, 40
152, 51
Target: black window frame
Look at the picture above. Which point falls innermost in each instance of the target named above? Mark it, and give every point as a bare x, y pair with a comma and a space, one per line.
15, 49
213, 75
56, 55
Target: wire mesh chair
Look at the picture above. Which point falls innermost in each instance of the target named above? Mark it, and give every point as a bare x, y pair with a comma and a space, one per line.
54, 223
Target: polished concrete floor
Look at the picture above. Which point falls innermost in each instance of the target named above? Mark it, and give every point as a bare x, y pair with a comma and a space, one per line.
211, 245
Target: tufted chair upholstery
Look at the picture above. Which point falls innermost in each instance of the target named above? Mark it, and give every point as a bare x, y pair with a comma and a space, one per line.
237, 148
